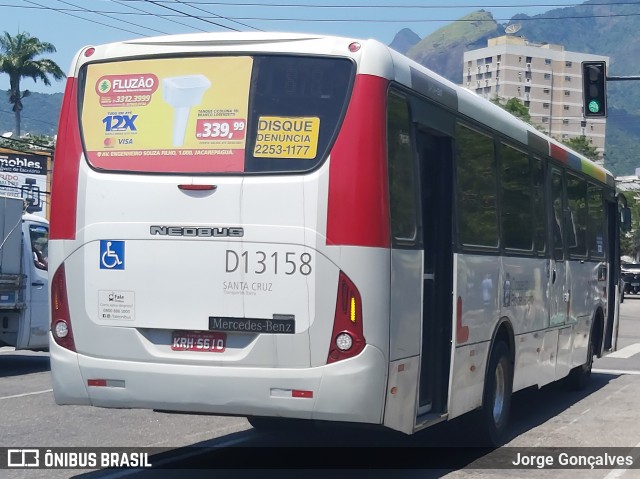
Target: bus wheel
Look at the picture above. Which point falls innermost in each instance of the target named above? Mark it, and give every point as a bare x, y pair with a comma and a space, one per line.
496, 401
579, 376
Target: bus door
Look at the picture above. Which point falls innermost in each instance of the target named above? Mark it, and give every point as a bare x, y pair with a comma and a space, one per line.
37, 314
613, 277
559, 294
436, 166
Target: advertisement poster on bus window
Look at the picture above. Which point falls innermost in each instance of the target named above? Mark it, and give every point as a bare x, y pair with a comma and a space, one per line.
25, 176
167, 115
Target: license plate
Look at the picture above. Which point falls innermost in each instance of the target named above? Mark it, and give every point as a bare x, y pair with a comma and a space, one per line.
205, 341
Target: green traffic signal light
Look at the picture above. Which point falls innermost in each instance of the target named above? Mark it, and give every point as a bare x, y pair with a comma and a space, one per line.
594, 89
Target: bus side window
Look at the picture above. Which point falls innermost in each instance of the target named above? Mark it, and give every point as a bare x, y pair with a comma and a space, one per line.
476, 189
401, 172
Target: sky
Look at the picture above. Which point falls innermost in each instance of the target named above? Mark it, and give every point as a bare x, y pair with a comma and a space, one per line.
72, 24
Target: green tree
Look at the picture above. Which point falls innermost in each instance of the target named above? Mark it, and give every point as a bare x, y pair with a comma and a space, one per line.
582, 145
19, 59
515, 107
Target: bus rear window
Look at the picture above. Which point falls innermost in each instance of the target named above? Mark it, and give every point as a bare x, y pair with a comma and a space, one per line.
202, 115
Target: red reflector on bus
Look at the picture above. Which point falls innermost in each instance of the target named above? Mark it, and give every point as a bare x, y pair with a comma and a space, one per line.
298, 393
97, 382
198, 187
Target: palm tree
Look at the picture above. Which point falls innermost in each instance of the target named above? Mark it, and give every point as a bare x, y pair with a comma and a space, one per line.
18, 60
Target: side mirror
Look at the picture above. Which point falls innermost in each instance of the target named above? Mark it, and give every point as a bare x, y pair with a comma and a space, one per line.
625, 219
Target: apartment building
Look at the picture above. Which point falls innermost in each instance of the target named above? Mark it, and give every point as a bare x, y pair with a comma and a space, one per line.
545, 77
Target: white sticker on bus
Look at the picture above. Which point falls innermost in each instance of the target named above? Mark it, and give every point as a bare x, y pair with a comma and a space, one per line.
116, 305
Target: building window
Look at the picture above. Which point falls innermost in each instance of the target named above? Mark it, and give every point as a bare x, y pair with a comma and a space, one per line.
547, 61
547, 76
527, 103
469, 63
566, 108
499, 57
545, 106
567, 93
488, 60
565, 122
527, 89
545, 119
567, 78
546, 91
568, 64
528, 59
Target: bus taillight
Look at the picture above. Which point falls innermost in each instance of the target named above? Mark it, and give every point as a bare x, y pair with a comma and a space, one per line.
347, 338
60, 317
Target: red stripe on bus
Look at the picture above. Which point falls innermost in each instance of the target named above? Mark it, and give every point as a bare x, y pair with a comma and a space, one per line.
358, 212
137, 161
66, 167
558, 153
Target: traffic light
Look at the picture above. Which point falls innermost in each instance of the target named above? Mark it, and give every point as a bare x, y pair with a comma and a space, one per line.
594, 89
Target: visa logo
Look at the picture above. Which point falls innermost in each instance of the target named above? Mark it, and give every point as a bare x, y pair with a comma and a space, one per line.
125, 141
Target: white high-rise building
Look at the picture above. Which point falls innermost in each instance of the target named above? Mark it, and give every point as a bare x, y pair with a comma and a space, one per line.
545, 77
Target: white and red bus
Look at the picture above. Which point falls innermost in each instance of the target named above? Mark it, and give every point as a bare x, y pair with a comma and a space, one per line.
298, 227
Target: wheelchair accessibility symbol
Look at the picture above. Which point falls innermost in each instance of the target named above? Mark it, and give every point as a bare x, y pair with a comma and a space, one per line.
111, 254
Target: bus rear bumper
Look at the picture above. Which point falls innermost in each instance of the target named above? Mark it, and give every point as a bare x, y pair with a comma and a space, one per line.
352, 390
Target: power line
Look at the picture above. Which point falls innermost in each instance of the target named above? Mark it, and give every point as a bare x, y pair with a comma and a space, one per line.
217, 16
81, 18
109, 16
368, 6
429, 20
236, 19
146, 13
156, 3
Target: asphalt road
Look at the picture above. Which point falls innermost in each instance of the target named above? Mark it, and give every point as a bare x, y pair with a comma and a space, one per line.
604, 415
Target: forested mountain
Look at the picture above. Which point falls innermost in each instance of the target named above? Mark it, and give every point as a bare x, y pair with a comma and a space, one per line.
39, 116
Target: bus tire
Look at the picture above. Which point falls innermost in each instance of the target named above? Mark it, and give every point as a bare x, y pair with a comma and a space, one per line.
496, 400
579, 376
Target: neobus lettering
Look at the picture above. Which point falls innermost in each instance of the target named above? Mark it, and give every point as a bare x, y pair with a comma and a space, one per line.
286, 125
213, 232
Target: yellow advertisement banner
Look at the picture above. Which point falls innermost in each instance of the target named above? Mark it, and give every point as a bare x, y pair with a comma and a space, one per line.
183, 108
287, 137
